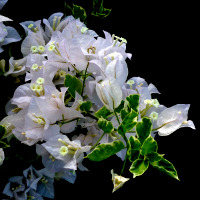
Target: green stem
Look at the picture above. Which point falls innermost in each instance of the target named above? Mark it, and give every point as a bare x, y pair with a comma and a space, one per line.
117, 117
98, 141
84, 79
92, 116
126, 140
124, 164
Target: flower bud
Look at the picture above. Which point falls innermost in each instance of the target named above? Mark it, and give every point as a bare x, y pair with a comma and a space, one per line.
110, 93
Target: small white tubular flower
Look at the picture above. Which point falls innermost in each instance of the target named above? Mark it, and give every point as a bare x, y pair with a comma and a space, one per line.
63, 150
34, 49
41, 49
173, 118
40, 81
34, 67
155, 103
84, 30
51, 47
2, 156
154, 115
110, 93
118, 181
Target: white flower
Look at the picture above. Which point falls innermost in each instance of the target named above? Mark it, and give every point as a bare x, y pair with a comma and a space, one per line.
173, 118
110, 93
70, 152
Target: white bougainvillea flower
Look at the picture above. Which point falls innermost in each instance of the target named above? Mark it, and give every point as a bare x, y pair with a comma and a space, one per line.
40, 119
54, 23
110, 93
16, 67
2, 156
71, 152
118, 181
116, 67
173, 118
7, 35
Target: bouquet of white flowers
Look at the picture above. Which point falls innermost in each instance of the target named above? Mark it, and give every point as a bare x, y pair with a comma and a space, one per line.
76, 103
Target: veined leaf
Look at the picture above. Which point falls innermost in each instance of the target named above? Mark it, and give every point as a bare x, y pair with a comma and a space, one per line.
128, 123
105, 125
133, 151
103, 112
73, 84
99, 10
123, 114
143, 129
86, 106
120, 107
154, 157
103, 151
132, 102
138, 167
79, 12
165, 166
149, 146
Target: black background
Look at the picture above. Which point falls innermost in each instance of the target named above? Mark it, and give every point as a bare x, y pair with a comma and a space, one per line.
162, 37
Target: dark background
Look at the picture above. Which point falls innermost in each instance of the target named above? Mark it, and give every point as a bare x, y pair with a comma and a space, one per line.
162, 37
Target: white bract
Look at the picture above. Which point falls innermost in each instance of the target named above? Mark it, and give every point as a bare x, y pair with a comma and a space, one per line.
173, 118
110, 93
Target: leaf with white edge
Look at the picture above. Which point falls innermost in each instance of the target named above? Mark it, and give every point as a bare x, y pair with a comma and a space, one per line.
138, 167
165, 166
103, 112
123, 114
128, 123
120, 107
154, 157
105, 125
104, 151
143, 129
79, 12
132, 102
133, 151
149, 146
73, 84
86, 106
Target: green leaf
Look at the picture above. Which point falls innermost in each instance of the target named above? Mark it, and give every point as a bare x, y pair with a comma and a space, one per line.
2, 131
73, 84
105, 125
128, 123
103, 151
149, 146
123, 114
133, 151
143, 129
138, 167
120, 107
79, 12
99, 10
103, 112
165, 166
86, 106
154, 157
132, 102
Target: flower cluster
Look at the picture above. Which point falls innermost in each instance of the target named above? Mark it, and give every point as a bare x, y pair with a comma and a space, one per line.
76, 103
